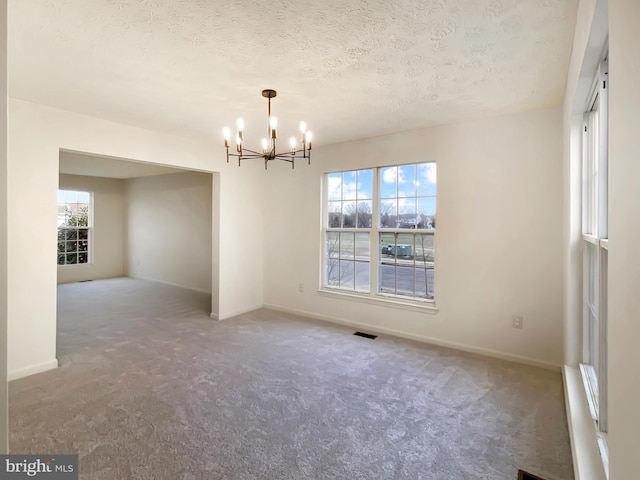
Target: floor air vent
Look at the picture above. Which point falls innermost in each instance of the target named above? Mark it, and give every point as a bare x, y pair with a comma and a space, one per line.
366, 335
527, 476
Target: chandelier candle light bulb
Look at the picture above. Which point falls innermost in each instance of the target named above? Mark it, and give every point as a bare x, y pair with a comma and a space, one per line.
269, 152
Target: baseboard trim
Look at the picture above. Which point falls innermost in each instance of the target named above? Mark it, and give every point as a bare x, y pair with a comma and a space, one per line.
587, 463
421, 338
193, 289
32, 370
227, 316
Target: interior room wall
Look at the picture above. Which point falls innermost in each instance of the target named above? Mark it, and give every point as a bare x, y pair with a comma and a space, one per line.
4, 424
108, 248
36, 133
624, 238
169, 219
498, 241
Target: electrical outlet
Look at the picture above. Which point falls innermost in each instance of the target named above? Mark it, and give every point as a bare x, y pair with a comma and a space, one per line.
517, 321
301, 287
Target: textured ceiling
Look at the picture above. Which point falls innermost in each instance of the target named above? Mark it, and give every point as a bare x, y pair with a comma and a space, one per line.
349, 68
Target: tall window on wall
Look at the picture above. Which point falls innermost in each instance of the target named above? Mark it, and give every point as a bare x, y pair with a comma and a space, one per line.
74, 227
595, 251
407, 227
348, 230
379, 231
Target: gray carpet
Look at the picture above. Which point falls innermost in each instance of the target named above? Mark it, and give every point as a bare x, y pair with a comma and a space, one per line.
150, 388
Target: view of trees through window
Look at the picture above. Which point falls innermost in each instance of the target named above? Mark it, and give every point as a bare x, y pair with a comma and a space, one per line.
403, 204
73, 227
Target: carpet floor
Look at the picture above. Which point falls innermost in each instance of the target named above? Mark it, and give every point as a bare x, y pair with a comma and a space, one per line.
150, 388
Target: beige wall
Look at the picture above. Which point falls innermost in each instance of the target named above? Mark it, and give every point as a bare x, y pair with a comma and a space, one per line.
624, 238
498, 243
169, 229
4, 440
108, 248
36, 135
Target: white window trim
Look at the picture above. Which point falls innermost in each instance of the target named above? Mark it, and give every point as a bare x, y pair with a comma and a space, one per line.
591, 387
380, 299
373, 296
595, 382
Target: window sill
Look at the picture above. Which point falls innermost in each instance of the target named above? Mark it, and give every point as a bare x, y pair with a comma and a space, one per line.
76, 265
590, 390
588, 462
390, 302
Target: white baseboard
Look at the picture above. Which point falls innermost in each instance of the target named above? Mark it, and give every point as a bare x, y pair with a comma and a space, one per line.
32, 370
199, 290
422, 338
226, 316
587, 463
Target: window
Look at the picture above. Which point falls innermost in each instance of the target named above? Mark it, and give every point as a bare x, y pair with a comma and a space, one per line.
379, 231
74, 225
595, 251
348, 236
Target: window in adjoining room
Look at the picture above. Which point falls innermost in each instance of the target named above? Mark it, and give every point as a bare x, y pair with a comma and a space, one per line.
74, 227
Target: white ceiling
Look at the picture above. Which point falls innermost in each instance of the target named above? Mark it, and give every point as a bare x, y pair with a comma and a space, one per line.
349, 68
76, 163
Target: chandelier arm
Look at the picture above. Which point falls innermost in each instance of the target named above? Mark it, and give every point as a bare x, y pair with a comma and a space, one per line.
289, 155
289, 159
245, 156
253, 152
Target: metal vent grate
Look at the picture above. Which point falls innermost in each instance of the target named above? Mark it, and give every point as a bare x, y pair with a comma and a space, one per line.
366, 335
522, 475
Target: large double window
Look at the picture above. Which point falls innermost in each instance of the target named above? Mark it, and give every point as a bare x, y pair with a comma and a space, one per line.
74, 223
379, 229
595, 247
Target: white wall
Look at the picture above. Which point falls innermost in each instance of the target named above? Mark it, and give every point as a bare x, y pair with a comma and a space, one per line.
169, 229
624, 238
108, 250
499, 237
4, 430
36, 134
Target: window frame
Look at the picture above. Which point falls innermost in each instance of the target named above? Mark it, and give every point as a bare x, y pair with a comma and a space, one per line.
89, 228
595, 248
374, 295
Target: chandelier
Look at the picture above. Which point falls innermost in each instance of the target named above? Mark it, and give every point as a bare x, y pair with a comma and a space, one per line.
269, 146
